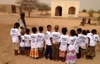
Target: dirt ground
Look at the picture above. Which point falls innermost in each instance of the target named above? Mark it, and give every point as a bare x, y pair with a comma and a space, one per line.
6, 50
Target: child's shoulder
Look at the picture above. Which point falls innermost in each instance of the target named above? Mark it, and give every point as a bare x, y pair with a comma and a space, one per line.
64, 35
55, 32
40, 33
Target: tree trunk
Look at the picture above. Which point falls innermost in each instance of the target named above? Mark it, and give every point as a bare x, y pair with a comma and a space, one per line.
29, 13
41, 12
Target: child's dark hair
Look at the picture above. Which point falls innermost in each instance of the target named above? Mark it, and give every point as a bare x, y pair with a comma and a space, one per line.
34, 30
84, 32
88, 31
64, 30
40, 28
27, 30
16, 25
73, 32
79, 30
48, 26
94, 31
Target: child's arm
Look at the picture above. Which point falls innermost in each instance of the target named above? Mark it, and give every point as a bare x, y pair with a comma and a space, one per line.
19, 38
88, 42
51, 40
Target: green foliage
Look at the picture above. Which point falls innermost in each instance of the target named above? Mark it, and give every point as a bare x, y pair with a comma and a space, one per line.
28, 5
84, 10
98, 11
90, 12
98, 20
43, 7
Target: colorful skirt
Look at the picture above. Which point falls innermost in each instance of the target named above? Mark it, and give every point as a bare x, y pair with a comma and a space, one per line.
34, 53
91, 52
55, 51
71, 57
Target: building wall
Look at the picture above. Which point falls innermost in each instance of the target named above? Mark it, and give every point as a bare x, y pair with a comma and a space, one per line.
8, 8
65, 7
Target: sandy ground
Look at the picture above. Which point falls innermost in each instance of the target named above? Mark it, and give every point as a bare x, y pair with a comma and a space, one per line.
6, 50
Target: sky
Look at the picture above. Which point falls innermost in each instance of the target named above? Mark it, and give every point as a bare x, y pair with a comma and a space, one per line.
84, 4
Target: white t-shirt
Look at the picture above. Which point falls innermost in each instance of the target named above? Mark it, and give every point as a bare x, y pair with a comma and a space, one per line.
63, 42
47, 38
27, 39
56, 37
84, 41
94, 39
14, 34
34, 41
22, 44
40, 40
89, 34
79, 39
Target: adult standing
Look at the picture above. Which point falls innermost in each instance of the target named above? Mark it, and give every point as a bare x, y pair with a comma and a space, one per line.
22, 20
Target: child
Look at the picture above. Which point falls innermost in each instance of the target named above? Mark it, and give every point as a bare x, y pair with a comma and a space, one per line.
56, 41
71, 56
63, 44
89, 33
34, 47
94, 38
79, 32
48, 41
84, 43
22, 44
15, 37
40, 41
27, 42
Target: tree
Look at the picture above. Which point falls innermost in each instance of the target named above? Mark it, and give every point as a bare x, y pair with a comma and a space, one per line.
28, 5
43, 7
84, 10
98, 11
90, 12
98, 20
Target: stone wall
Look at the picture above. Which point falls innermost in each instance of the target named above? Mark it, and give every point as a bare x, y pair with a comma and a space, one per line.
65, 5
7, 8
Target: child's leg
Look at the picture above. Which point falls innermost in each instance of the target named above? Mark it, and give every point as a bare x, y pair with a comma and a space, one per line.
50, 51
23, 51
82, 53
28, 51
31, 53
16, 48
46, 52
36, 53
16, 52
40, 52
79, 54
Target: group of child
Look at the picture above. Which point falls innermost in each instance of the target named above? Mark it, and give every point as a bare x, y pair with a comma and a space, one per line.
54, 45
